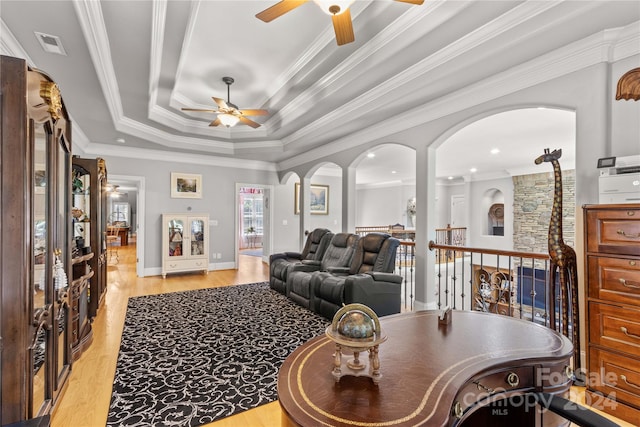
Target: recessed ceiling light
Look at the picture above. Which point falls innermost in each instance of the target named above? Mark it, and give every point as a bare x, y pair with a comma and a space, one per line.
472, 170
120, 140
495, 151
394, 172
450, 177
371, 155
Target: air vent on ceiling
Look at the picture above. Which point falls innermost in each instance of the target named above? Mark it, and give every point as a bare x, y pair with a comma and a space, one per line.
51, 44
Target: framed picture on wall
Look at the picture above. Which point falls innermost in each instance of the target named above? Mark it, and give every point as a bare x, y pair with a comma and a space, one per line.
186, 186
319, 199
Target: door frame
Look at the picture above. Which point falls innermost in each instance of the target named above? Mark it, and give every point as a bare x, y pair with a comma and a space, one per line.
140, 217
267, 224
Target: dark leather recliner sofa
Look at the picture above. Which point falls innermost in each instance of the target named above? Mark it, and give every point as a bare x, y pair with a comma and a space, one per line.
314, 248
369, 279
337, 257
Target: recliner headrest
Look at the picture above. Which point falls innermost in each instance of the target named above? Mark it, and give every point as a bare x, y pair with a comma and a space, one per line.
373, 241
316, 235
341, 240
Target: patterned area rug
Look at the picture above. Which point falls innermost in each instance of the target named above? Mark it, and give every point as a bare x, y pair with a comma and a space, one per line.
190, 358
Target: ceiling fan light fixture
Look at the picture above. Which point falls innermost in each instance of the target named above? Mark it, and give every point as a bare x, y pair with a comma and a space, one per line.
333, 7
228, 120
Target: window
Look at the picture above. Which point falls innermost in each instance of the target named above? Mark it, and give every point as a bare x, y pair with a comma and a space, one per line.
252, 212
119, 213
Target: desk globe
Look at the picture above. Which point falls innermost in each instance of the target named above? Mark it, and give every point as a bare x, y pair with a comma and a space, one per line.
356, 328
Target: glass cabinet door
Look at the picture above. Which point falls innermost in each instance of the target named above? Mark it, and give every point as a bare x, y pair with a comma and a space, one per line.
197, 236
49, 348
61, 358
42, 265
176, 235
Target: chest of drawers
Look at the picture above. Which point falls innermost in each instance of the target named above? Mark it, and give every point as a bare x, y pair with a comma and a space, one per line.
612, 280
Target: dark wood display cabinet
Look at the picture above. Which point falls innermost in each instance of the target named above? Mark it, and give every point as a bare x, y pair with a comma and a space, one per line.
35, 166
90, 225
81, 333
612, 264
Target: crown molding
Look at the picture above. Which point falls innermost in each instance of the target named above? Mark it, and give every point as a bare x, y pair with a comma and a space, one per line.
367, 102
108, 150
9, 44
325, 86
94, 30
576, 56
626, 43
159, 13
95, 33
387, 184
295, 70
612, 45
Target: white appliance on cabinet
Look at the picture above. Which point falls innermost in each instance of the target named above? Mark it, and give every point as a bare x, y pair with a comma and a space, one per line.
619, 180
623, 188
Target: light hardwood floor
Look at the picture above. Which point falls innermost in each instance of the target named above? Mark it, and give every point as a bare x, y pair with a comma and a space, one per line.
85, 402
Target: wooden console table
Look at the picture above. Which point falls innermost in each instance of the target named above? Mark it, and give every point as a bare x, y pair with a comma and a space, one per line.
123, 233
473, 372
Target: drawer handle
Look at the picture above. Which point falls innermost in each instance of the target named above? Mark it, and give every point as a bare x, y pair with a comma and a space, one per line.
628, 285
513, 380
483, 387
457, 410
631, 236
624, 378
626, 332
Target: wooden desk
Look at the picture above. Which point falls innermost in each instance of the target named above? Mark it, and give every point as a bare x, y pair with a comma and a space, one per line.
123, 233
429, 371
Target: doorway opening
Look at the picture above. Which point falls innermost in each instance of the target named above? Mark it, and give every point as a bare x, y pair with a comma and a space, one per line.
130, 209
253, 221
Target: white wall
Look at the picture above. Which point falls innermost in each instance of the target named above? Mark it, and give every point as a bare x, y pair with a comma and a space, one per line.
444, 192
332, 221
287, 235
371, 212
218, 200
383, 205
477, 233
286, 224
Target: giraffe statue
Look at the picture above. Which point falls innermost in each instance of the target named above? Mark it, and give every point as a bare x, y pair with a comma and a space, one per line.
563, 261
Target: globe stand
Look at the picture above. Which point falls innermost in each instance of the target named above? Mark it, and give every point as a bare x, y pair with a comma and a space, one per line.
356, 329
354, 366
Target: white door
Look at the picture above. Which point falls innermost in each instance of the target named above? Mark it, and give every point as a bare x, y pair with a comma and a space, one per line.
458, 211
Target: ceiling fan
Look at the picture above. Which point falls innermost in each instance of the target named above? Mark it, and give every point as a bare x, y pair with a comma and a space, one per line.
338, 9
229, 114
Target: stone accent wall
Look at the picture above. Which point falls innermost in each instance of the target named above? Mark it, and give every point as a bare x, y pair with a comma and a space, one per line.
532, 202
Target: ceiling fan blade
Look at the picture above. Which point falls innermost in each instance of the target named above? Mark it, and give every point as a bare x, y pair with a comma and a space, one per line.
199, 109
249, 122
343, 27
253, 112
216, 122
221, 102
279, 9
418, 2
